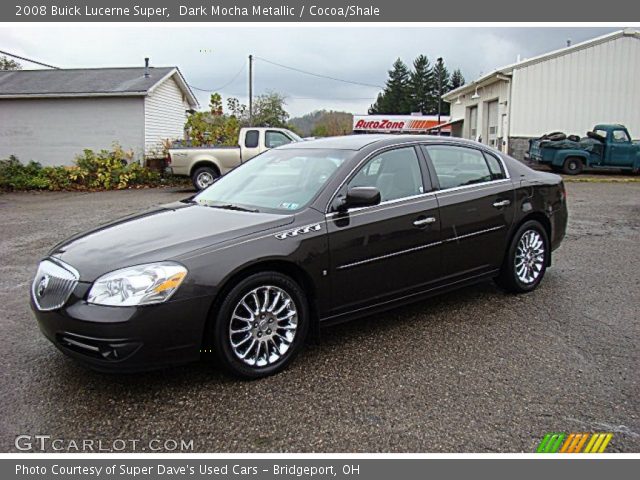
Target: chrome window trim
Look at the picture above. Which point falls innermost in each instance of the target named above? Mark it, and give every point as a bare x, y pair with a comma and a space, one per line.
455, 190
397, 202
418, 144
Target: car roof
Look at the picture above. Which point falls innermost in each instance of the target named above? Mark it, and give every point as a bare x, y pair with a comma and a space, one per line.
360, 141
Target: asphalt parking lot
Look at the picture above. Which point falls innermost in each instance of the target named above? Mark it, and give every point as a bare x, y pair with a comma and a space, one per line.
476, 370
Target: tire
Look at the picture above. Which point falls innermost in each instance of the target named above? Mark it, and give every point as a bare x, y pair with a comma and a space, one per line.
572, 166
202, 177
261, 345
596, 136
530, 237
552, 134
556, 137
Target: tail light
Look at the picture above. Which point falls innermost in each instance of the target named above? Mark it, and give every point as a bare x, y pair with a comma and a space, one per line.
168, 158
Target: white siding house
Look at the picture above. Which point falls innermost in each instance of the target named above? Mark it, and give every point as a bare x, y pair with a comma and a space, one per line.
51, 116
569, 90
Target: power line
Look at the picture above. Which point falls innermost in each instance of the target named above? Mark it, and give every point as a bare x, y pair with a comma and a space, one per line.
319, 75
225, 85
28, 60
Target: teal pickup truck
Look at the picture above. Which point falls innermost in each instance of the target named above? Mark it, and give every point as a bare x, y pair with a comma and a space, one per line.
605, 147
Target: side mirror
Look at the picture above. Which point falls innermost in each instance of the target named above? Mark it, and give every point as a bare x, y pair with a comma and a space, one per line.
360, 197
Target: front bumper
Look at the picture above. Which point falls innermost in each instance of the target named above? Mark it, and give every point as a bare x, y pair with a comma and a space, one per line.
126, 339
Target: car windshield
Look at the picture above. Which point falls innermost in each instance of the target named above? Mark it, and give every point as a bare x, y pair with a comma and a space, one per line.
277, 180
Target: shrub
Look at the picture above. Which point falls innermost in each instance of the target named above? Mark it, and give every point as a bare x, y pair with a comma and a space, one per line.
104, 170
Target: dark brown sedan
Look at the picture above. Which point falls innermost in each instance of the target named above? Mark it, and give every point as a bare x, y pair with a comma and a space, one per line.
304, 235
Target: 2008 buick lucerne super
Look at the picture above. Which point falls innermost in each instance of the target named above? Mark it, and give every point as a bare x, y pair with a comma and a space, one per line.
304, 235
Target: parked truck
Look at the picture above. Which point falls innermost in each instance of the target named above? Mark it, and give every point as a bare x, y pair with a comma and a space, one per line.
605, 147
205, 164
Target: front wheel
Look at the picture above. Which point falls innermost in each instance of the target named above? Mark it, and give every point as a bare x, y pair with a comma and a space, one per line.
526, 260
260, 326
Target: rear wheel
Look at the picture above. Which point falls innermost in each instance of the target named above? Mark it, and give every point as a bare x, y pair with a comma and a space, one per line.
260, 326
572, 166
202, 177
526, 261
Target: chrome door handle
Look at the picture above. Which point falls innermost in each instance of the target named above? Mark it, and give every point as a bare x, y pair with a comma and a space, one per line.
424, 221
502, 203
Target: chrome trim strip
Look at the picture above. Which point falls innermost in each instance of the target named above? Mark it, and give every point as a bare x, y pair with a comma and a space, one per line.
389, 255
473, 234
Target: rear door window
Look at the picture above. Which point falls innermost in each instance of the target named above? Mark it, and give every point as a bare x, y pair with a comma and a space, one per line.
495, 167
458, 166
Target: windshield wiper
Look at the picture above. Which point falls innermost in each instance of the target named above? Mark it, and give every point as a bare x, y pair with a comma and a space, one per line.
230, 206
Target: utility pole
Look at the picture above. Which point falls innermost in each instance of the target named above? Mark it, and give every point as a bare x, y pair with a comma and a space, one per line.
439, 92
250, 90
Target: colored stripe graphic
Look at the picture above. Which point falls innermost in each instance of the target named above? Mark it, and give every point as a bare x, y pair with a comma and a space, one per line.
574, 443
598, 442
556, 442
551, 443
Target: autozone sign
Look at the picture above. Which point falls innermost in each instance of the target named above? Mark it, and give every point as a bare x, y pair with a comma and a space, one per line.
398, 123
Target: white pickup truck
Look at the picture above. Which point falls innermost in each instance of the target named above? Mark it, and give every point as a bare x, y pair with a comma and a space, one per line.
205, 164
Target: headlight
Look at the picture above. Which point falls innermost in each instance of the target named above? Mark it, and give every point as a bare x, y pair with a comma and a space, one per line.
139, 285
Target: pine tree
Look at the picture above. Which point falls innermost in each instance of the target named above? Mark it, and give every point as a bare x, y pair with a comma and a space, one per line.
441, 86
421, 85
457, 80
395, 98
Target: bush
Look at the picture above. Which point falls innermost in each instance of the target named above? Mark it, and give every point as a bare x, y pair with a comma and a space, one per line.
104, 170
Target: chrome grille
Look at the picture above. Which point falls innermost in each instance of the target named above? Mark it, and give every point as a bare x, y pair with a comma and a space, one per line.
53, 284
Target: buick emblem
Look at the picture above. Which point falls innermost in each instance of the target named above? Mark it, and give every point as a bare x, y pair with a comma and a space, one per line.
42, 286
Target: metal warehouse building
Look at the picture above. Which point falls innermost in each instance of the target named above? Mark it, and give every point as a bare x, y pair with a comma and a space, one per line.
51, 116
569, 90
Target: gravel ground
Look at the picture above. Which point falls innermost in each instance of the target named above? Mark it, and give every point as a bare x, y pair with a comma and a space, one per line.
472, 371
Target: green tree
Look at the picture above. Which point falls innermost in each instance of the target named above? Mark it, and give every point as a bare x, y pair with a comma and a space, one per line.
421, 85
395, 98
212, 127
269, 111
332, 124
7, 63
457, 80
441, 85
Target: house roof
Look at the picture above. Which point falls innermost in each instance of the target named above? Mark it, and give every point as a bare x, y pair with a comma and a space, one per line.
502, 73
89, 82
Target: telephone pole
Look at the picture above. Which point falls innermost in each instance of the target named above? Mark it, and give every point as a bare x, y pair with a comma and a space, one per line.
439, 92
250, 90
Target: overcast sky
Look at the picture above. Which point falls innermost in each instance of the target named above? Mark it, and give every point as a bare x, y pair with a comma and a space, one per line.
210, 57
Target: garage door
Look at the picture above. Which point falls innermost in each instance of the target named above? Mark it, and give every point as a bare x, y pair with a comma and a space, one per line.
492, 130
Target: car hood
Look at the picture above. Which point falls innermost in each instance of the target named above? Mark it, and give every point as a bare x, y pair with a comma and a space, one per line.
160, 234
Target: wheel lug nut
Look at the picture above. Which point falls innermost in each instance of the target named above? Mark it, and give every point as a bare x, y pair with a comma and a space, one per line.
271, 320
269, 331
259, 334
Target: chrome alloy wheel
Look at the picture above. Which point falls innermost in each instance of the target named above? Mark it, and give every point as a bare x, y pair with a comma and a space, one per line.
263, 326
529, 257
204, 179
